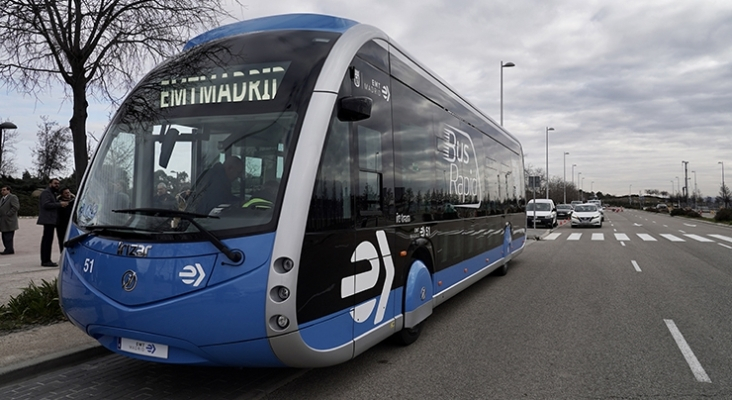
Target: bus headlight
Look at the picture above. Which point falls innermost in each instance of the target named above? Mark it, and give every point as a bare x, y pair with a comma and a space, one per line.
284, 265
282, 321
283, 293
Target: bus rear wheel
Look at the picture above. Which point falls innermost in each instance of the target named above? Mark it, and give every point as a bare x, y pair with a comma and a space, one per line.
407, 336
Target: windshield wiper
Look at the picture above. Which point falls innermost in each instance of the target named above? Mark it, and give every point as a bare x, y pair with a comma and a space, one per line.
93, 229
234, 256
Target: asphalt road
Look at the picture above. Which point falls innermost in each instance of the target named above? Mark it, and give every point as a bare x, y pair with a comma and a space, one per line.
635, 309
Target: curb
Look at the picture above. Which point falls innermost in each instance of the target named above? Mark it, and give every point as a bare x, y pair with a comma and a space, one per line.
41, 365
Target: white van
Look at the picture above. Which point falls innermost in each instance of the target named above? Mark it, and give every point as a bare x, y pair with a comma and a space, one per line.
541, 211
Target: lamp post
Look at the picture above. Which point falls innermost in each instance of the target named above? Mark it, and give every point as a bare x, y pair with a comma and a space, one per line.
722, 172
506, 65
3, 127
573, 165
579, 189
565, 176
547, 160
630, 195
694, 195
678, 187
592, 188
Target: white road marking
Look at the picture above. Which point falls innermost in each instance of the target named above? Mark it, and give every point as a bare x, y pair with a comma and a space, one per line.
621, 236
693, 226
720, 237
672, 237
635, 265
699, 238
696, 368
725, 246
598, 236
646, 237
574, 236
552, 236
622, 244
681, 231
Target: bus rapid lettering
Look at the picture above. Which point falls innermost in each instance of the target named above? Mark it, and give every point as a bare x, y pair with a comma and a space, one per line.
462, 181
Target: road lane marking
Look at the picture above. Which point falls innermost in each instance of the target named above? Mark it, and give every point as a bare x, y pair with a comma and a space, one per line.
693, 226
691, 359
720, 237
646, 237
725, 246
598, 236
621, 236
672, 237
574, 236
635, 265
699, 238
552, 236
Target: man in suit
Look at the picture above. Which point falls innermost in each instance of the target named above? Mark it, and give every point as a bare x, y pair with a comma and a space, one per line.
47, 216
9, 206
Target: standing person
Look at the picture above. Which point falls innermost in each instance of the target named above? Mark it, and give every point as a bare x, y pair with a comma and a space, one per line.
64, 216
48, 208
9, 206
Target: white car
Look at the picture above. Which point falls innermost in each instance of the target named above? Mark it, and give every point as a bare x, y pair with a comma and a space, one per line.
541, 212
586, 215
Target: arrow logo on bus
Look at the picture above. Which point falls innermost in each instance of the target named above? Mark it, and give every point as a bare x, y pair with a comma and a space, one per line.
192, 274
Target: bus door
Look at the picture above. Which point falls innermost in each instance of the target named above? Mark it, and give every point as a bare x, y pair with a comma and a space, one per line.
372, 159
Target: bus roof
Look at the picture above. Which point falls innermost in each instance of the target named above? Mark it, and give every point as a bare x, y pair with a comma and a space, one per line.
313, 22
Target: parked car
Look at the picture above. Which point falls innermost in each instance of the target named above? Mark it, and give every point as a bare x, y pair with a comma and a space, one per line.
541, 211
564, 211
586, 215
576, 202
661, 207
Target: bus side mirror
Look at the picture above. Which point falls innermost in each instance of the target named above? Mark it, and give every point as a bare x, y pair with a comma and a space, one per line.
355, 108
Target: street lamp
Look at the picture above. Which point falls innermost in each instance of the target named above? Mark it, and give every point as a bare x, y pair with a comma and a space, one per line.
3, 127
670, 196
547, 160
506, 65
678, 187
694, 172
722, 173
565, 176
579, 189
592, 187
630, 195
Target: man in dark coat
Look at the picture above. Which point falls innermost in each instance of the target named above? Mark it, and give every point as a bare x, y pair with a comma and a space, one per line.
9, 206
47, 216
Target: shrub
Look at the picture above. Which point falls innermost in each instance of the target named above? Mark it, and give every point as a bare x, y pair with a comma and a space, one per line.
678, 211
34, 305
724, 214
692, 214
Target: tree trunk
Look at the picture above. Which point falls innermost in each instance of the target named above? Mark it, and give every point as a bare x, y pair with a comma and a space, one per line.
77, 124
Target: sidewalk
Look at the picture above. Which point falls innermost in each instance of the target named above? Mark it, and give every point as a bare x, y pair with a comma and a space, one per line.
31, 350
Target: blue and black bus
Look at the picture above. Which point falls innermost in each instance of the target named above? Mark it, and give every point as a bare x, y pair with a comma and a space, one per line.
287, 191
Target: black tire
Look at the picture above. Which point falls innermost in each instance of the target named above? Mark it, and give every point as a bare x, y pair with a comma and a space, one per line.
407, 336
502, 270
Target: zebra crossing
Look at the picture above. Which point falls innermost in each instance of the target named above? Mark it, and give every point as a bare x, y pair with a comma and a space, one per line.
646, 237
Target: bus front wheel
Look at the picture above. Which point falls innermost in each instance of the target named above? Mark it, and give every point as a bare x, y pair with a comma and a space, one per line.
407, 336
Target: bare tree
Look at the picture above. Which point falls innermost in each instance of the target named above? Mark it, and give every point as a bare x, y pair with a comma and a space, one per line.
53, 145
94, 47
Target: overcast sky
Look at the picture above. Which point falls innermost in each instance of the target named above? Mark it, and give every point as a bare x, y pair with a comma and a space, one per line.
631, 88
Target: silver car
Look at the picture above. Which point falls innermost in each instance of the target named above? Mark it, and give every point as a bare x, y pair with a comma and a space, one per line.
586, 215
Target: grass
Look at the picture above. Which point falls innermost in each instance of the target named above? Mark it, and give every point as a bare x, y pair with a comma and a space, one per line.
35, 305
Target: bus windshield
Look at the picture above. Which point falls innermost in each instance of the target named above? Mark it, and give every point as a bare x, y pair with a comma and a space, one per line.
208, 134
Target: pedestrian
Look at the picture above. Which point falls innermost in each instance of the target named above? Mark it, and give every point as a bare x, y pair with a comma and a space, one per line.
48, 208
64, 216
9, 206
